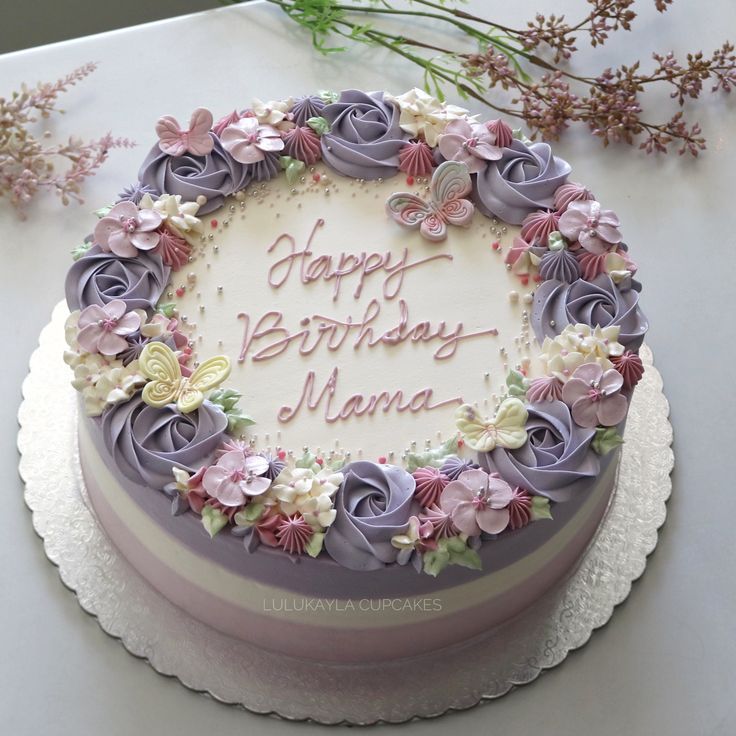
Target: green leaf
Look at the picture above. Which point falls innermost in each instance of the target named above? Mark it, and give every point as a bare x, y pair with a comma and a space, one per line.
103, 211
467, 558
434, 457
80, 250
167, 309
293, 168
250, 514
455, 545
314, 546
540, 508
328, 96
606, 439
227, 398
319, 125
213, 520
435, 561
517, 384
307, 460
237, 422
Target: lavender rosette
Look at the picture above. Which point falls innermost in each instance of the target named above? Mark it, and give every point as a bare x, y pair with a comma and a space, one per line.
365, 136
373, 504
214, 176
557, 460
598, 302
99, 278
523, 180
146, 443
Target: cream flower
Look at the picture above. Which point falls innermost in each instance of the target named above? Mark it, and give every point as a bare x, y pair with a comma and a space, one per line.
423, 115
273, 112
103, 382
578, 344
181, 216
301, 490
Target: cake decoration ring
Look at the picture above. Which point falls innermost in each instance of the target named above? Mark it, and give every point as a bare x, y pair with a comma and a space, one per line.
164, 428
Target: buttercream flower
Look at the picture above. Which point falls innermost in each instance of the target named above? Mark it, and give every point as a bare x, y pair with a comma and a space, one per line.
186, 491
523, 180
248, 141
594, 397
174, 250
178, 214
103, 329
429, 485
274, 113
236, 478
146, 442
125, 230
373, 505
135, 192
477, 502
305, 108
470, 143
424, 116
365, 136
578, 344
301, 490
103, 383
417, 537
211, 177
293, 534
556, 461
598, 302
631, 368
594, 228
522, 258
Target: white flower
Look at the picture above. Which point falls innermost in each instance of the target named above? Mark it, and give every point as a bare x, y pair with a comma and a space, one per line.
104, 382
423, 115
273, 112
578, 344
180, 215
301, 490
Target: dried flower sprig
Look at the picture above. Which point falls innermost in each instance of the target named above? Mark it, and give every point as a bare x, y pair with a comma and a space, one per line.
27, 165
609, 103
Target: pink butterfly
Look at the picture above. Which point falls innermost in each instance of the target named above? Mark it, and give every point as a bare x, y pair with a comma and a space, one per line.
197, 140
446, 206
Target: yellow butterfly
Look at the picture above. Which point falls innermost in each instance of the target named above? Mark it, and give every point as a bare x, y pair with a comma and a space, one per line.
506, 429
167, 385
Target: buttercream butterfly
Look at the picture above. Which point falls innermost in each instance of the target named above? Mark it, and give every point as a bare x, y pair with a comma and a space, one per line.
506, 429
446, 205
197, 140
158, 363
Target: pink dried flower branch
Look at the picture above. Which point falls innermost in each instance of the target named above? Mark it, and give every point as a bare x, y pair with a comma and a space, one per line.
28, 166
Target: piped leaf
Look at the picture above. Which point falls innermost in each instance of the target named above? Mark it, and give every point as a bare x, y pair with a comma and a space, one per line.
314, 546
517, 384
293, 167
213, 520
167, 309
319, 125
606, 439
434, 457
540, 508
80, 250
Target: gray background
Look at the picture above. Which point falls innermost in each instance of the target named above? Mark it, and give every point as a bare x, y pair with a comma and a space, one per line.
664, 665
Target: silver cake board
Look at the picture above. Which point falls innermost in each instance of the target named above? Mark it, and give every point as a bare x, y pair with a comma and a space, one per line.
234, 672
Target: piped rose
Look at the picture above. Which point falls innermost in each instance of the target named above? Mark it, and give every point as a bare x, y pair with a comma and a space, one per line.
373, 505
557, 460
365, 136
524, 179
146, 443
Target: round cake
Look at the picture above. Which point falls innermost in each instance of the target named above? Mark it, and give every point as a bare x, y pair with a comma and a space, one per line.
354, 371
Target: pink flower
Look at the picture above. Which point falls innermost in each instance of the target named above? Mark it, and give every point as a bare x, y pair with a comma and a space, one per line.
293, 534
104, 329
246, 140
125, 230
593, 396
235, 478
595, 229
477, 502
471, 144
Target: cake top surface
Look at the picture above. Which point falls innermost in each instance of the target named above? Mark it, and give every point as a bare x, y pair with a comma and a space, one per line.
360, 323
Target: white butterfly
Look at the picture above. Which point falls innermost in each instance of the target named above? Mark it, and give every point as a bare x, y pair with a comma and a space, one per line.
446, 206
506, 429
197, 140
158, 363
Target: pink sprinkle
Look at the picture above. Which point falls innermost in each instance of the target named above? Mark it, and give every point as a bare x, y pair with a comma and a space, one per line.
410, 180
495, 245
213, 223
180, 291
525, 279
460, 442
316, 177
281, 454
382, 460
319, 460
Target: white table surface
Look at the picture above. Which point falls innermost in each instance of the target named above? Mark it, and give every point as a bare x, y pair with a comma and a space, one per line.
665, 663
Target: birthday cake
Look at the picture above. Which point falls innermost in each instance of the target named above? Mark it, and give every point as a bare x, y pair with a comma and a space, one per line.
353, 371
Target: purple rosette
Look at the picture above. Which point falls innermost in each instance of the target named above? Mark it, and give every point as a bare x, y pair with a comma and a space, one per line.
365, 136
213, 176
598, 302
523, 180
99, 278
146, 443
557, 460
373, 504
